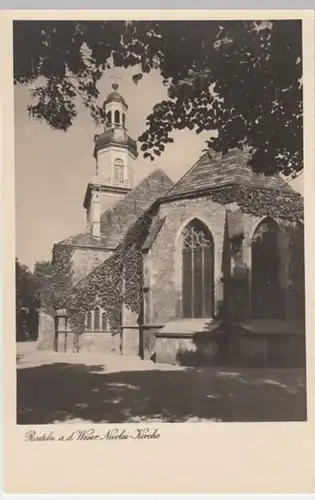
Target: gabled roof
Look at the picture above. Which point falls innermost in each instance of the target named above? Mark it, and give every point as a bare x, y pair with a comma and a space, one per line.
84, 239
154, 231
212, 172
116, 221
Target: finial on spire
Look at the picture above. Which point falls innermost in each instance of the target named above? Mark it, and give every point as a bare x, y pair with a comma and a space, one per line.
115, 82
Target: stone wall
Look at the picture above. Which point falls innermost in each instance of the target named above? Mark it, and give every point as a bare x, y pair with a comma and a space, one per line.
232, 262
269, 350
130, 341
296, 276
234, 346
184, 351
46, 332
291, 247
65, 342
84, 260
89, 341
99, 342
165, 254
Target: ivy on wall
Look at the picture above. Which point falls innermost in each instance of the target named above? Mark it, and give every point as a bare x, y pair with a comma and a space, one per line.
56, 290
258, 202
118, 280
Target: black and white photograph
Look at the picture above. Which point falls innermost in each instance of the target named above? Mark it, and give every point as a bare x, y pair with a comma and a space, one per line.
159, 213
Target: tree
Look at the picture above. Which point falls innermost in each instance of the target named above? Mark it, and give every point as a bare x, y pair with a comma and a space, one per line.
54, 280
32, 289
240, 78
27, 301
43, 272
26, 286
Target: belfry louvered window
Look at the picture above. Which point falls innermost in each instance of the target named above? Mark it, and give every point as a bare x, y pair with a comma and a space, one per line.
198, 262
117, 117
109, 118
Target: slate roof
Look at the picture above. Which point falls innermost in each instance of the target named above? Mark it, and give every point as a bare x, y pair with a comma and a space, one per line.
208, 173
116, 221
115, 97
84, 239
110, 137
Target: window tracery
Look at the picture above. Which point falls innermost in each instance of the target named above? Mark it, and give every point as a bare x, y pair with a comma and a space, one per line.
198, 272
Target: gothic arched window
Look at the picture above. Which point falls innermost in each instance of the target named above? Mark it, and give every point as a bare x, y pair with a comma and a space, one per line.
104, 322
266, 294
89, 321
97, 318
117, 117
198, 270
119, 172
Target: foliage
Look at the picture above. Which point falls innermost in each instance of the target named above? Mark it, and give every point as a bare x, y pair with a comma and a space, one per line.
26, 287
63, 55
55, 279
242, 79
43, 271
261, 202
27, 302
118, 281
266, 233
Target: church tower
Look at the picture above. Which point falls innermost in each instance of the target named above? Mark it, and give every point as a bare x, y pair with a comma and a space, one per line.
115, 154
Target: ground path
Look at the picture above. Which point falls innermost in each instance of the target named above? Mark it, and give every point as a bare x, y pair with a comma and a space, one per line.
61, 387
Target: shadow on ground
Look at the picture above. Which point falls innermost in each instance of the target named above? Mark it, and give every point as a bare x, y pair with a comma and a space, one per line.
62, 392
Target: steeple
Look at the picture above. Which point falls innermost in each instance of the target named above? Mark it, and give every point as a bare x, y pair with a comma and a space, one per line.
115, 109
115, 154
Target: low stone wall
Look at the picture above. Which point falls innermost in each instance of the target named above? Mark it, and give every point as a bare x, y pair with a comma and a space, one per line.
46, 340
148, 341
65, 342
282, 351
188, 350
56, 335
239, 349
103, 342
130, 341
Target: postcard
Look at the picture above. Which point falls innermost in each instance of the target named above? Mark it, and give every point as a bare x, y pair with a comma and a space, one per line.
158, 192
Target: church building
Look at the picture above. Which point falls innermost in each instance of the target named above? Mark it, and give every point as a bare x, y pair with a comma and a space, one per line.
207, 270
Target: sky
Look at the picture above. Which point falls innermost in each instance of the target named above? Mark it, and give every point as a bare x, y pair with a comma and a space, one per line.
53, 168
